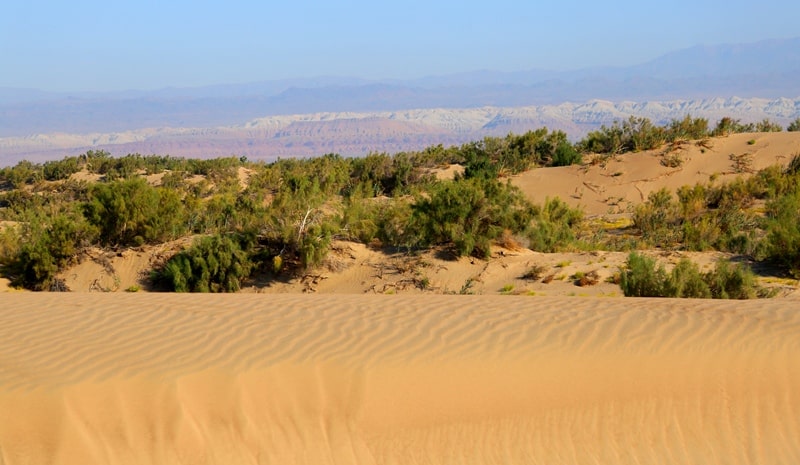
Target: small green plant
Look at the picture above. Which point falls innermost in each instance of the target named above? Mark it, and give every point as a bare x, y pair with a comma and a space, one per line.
466, 289
134, 288
507, 289
563, 264
751, 142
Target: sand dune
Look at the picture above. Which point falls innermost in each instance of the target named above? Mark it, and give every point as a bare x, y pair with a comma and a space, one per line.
619, 184
313, 379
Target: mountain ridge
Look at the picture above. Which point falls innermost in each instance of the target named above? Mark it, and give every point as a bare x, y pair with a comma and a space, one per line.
358, 133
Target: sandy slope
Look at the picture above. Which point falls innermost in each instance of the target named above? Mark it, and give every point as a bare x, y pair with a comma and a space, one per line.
615, 186
154, 378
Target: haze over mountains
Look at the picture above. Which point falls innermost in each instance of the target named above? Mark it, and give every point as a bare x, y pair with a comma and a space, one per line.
353, 116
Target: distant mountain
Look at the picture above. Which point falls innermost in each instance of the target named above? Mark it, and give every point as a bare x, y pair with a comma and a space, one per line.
358, 133
766, 69
768, 57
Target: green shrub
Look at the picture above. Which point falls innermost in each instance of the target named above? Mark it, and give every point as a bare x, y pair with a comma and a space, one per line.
687, 128
768, 126
632, 135
731, 282
794, 126
554, 226
687, 281
782, 243
727, 126
469, 214
212, 264
58, 170
131, 212
657, 218
642, 278
51, 243
566, 154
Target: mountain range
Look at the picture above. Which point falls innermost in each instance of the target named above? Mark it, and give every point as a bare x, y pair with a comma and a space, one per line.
358, 133
352, 115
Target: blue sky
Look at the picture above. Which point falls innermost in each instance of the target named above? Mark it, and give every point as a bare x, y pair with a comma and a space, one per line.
114, 45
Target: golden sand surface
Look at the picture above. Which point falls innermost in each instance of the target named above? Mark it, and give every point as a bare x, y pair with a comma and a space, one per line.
411, 379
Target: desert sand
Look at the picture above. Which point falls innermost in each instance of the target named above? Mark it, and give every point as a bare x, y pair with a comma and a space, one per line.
615, 186
396, 379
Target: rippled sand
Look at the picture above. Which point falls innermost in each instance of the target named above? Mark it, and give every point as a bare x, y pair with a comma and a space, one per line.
284, 379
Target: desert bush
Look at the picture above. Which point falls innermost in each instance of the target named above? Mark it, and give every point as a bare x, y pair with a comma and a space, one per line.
793, 168
212, 264
794, 126
656, 219
554, 226
686, 281
297, 225
641, 277
131, 212
58, 170
727, 126
729, 281
782, 242
21, 174
632, 135
10, 242
469, 214
687, 128
566, 154
534, 272
766, 125
51, 242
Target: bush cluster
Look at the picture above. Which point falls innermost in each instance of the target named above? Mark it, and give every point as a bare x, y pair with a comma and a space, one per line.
212, 264
642, 277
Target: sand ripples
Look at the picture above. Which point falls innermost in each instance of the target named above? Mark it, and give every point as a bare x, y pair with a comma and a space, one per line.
396, 379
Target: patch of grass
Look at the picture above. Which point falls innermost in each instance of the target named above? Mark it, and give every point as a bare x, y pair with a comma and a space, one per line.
563, 263
507, 288
751, 142
133, 288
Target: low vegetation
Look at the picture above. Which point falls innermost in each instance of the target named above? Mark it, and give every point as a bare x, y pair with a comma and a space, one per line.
643, 277
285, 218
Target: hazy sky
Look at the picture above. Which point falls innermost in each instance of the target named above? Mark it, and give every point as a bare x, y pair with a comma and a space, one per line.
144, 44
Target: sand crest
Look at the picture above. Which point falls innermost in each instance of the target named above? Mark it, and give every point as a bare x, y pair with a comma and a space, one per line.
285, 379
